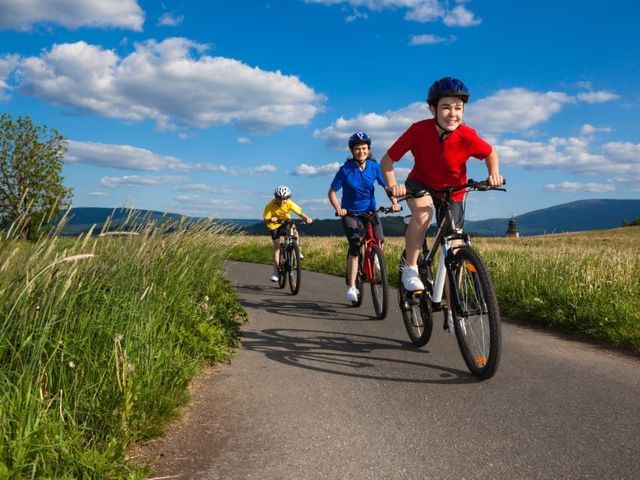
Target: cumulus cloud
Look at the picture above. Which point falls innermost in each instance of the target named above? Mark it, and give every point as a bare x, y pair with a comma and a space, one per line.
141, 180
312, 171
168, 19
416, 10
574, 187
172, 82
243, 140
515, 109
429, 39
121, 156
8, 64
597, 97
24, 14
572, 154
588, 129
383, 128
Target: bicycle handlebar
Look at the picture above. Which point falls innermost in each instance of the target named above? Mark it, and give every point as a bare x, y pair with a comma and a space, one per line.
379, 209
482, 186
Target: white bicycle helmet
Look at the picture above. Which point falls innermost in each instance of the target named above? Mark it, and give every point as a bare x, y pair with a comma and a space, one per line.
282, 192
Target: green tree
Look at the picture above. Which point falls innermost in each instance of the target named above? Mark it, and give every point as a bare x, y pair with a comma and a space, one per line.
31, 188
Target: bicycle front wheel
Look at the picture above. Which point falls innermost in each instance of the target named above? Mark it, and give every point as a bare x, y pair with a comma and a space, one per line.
477, 322
282, 269
295, 269
416, 312
378, 281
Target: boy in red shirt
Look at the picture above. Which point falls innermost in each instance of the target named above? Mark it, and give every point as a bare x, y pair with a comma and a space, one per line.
441, 147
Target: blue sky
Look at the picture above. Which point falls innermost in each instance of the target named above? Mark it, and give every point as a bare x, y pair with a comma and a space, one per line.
203, 108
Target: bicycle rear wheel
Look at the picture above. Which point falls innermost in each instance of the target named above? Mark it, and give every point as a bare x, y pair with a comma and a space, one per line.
416, 313
378, 281
295, 269
477, 323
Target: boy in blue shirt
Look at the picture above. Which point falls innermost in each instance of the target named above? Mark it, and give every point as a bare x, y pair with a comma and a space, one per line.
357, 178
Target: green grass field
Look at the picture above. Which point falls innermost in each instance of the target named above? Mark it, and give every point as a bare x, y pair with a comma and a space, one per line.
100, 337
586, 283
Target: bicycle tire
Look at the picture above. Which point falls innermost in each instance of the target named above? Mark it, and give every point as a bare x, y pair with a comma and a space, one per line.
294, 269
282, 270
379, 283
417, 317
477, 324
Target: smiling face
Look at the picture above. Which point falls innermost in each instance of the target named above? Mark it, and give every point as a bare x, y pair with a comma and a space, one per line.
360, 152
449, 114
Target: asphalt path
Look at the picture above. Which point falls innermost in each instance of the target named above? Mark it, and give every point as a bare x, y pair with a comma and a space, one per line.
322, 390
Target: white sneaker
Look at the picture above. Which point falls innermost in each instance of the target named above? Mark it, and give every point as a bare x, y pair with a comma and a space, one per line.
376, 263
352, 294
411, 279
274, 277
301, 255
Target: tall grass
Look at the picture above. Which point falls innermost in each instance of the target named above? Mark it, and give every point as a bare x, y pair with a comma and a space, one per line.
585, 283
99, 338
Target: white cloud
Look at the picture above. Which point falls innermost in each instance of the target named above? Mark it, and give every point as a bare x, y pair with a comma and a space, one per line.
588, 129
572, 154
460, 17
417, 10
98, 194
168, 19
121, 156
574, 187
383, 128
597, 97
311, 171
515, 109
243, 140
8, 64
429, 39
172, 82
141, 180
23, 14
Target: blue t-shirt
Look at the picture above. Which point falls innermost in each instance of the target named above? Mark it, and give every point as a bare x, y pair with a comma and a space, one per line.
358, 185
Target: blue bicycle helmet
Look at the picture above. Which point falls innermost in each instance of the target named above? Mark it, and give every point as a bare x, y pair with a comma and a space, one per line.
447, 87
358, 138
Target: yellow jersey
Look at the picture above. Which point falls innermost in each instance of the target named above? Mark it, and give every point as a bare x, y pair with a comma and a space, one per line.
281, 212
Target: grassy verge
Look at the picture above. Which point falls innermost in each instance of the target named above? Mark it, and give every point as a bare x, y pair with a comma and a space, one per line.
585, 283
99, 339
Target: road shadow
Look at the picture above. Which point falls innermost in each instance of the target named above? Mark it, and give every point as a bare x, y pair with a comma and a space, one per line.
295, 306
353, 355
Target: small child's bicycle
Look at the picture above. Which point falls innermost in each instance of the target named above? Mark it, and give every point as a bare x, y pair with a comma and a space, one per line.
372, 267
472, 299
289, 264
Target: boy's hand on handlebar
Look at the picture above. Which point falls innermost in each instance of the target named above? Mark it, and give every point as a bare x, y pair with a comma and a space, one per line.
495, 180
274, 220
341, 212
397, 190
308, 220
396, 207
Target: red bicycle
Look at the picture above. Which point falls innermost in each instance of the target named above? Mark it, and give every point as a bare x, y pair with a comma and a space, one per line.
371, 266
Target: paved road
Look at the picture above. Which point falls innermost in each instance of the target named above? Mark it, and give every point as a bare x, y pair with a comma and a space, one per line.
321, 390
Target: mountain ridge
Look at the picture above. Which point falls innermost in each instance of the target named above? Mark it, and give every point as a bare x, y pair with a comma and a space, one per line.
579, 215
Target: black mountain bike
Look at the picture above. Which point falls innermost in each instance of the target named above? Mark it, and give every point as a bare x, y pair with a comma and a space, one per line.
289, 265
472, 299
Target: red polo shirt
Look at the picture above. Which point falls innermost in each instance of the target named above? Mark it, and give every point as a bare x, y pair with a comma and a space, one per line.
440, 164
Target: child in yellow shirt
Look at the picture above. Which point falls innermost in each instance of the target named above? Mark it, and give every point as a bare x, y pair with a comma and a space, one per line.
280, 208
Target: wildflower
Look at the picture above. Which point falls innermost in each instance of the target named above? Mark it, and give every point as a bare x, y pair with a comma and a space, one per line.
72, 364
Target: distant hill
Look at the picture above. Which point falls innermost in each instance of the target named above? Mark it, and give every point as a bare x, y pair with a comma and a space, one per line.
569, 217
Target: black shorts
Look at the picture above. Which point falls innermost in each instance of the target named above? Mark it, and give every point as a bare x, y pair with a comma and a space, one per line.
276, 233
355, 230
457, 208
